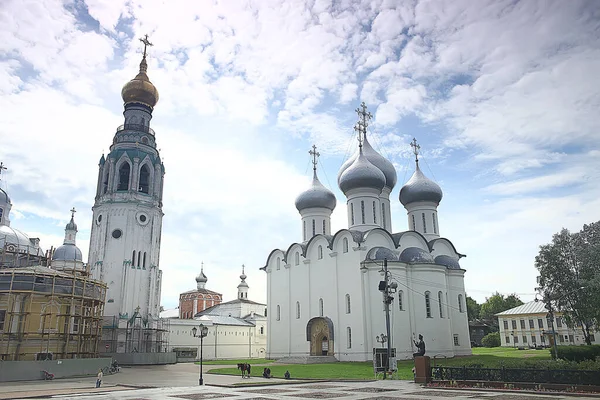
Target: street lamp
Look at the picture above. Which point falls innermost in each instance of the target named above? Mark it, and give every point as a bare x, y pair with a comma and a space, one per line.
381, 339
513, 338
202, 335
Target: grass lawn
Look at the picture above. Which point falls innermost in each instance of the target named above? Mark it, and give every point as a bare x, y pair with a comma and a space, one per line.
251, 361
364, 370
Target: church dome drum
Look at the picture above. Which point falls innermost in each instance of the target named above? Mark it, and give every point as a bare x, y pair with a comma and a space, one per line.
361, 174
420, 188
317, 196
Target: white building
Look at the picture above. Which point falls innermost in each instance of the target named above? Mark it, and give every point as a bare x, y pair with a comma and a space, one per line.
237, 329
127, 223
528, 325
322, 292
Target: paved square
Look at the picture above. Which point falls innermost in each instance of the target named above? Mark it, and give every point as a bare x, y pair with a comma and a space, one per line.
318, 395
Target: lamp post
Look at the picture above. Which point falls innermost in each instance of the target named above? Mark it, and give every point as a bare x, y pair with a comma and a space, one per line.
203, 331
381, 339
387, 288
512, 334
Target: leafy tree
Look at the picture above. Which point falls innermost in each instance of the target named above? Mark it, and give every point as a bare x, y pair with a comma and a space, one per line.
473, 308
569, 269
491, 340
498, 303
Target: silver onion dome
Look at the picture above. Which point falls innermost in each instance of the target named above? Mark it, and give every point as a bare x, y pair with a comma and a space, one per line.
71, 226
67, 252
391, 178
317, 196
361, 174
201, 278
420, 188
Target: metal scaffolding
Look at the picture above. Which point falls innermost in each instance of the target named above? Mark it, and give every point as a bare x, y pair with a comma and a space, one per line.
134, 335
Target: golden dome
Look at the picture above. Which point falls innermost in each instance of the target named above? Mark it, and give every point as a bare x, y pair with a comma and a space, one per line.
140, 89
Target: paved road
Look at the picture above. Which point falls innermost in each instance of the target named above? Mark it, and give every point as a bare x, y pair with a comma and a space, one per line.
180, 381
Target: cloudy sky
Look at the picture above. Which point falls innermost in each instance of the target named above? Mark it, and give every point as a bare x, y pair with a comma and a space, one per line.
503, 97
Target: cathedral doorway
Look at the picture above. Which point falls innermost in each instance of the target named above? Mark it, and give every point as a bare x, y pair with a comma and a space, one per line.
319, 332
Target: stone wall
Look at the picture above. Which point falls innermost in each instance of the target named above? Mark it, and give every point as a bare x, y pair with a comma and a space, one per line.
33, 370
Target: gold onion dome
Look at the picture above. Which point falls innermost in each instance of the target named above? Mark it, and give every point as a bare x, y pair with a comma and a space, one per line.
140, 89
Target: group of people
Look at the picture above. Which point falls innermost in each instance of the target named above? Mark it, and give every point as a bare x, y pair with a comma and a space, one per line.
267, 374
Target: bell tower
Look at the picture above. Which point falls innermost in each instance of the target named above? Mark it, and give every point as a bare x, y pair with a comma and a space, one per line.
127, 212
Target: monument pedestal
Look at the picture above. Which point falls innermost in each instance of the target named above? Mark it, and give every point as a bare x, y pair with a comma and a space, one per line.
422, 369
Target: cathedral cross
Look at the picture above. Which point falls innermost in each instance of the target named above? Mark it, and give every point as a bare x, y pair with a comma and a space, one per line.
363, 121
146, 43
416, 149
73, 211
315, 154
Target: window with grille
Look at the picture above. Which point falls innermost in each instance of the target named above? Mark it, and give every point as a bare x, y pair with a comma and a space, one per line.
514, 324
401, 300
348, 304
434, 223
320, 307
362, 211
506, 325
383, 216
424, 223
349, 337
324, 227
352, 213
428, 304
440, 304
456, 343
374, 213
314, 230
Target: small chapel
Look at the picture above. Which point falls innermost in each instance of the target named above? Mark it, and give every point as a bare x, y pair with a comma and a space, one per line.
323, 292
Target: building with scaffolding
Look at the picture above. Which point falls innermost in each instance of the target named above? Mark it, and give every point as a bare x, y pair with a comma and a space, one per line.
50, 308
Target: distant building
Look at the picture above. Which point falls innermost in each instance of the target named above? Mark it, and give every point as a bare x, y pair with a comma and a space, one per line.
194, 301
528, 325
478, 328
236, 329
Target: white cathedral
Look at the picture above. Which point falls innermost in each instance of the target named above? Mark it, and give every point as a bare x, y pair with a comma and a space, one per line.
127, 224
323, 292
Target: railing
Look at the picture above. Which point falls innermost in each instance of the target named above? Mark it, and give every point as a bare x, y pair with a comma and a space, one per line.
516, 375
136, 127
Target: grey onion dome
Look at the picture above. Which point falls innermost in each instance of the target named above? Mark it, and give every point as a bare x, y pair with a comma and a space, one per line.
388, 169
420, 188
201, 277
71, 226
317, 196
361, 174
67, 252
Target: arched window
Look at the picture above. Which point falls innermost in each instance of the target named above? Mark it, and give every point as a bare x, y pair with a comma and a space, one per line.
124, 173
278, 313
401, 300
348, 309
139, 260
105, 181
324, 226
362, 211
320, 307
383, 216
314, 227
297, 310
414, 224
144, 264
320, 252
297, 259
349, 337
345, 245
424, 223
374, 213
428, 304
133, 258
352, 213
262, 330
434, 224
278, 263
440, 304
304, 230
460, 303
144, 185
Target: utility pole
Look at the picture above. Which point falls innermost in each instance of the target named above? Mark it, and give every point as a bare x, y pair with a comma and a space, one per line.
387, 288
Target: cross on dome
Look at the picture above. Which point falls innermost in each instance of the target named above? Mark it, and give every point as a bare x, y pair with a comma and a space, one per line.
146, 43
416, 149
73, 211
315, 155
363, 122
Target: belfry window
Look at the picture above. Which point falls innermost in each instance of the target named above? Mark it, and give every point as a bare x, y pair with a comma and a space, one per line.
362, 211
424, 223
124, 173
144, 186
105, 182
374, 213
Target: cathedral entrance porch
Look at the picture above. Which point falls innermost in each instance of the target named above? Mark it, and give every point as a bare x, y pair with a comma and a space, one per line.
319, 332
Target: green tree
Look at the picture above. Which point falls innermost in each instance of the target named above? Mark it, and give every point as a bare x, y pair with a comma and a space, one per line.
498, 303
569, 269
473, 308
491, 340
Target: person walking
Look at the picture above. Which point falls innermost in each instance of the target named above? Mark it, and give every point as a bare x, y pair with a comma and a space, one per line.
99, 380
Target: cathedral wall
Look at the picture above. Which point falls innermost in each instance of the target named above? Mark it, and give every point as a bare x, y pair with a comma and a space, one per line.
460, 322
278, 325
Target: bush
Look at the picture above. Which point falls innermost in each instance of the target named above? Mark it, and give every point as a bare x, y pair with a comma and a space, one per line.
551, 364
491, 340
578, 353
